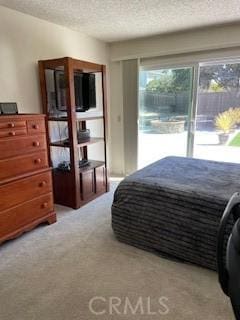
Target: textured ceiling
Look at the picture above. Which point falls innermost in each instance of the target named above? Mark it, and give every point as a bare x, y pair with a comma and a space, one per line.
113, 20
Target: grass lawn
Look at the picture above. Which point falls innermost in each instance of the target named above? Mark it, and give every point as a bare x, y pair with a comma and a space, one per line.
235, 142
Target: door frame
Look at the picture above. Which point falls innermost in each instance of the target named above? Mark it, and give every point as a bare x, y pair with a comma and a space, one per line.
193, 110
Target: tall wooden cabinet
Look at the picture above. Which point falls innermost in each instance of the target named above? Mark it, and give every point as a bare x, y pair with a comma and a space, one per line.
26, 197
75, 186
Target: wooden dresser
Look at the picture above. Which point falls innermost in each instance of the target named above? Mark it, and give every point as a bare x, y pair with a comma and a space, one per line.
26, 197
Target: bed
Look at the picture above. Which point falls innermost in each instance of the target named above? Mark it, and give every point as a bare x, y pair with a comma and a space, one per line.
173, 207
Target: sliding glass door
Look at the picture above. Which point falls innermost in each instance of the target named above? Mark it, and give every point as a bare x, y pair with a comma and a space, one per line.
165, 113
217, 133
190, 111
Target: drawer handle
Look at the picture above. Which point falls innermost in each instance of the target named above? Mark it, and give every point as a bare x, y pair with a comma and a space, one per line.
12, 133
42, 184
37, 161
44, 205
35, 126
11, 125
36, 143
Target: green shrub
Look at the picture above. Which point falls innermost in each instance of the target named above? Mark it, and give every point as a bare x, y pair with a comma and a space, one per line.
235, 113
224, 121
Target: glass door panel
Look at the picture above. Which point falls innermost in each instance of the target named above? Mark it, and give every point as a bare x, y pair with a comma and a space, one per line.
217, 132
165, 108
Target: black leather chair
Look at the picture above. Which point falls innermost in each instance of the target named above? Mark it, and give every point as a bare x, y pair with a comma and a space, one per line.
229, 267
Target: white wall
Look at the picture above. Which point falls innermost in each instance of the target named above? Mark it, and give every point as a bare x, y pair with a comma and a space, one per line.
23, 41
175, 43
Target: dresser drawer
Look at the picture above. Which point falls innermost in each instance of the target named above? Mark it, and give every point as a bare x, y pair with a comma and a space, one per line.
15, 193
19, 216
19, 146
12, 124
20, 165
36, 126
13, 132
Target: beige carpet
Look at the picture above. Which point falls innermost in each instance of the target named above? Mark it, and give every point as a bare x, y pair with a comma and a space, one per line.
52, 272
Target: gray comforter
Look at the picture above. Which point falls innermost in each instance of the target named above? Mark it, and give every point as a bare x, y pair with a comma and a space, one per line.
173, 207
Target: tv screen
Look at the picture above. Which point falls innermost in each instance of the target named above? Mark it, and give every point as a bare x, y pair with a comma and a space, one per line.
84, 89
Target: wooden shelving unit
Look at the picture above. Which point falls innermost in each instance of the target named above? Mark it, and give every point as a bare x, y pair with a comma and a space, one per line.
78, 186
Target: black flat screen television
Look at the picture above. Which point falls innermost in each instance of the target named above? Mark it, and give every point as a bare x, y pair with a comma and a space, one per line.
84, 89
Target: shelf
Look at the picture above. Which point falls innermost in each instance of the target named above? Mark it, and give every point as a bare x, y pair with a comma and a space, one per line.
57, 119
77, 119
83, 144
93, 164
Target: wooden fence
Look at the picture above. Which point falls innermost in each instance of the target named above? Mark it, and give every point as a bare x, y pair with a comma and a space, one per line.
210, 104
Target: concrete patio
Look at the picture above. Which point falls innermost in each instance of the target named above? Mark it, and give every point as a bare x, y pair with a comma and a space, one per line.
153, 147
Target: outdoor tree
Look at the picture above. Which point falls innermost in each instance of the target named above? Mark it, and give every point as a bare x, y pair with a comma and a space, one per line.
163, 83
217, 78
224, 76
181, 79
172, 81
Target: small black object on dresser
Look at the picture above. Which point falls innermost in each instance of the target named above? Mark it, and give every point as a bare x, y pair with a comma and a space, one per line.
8, 108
